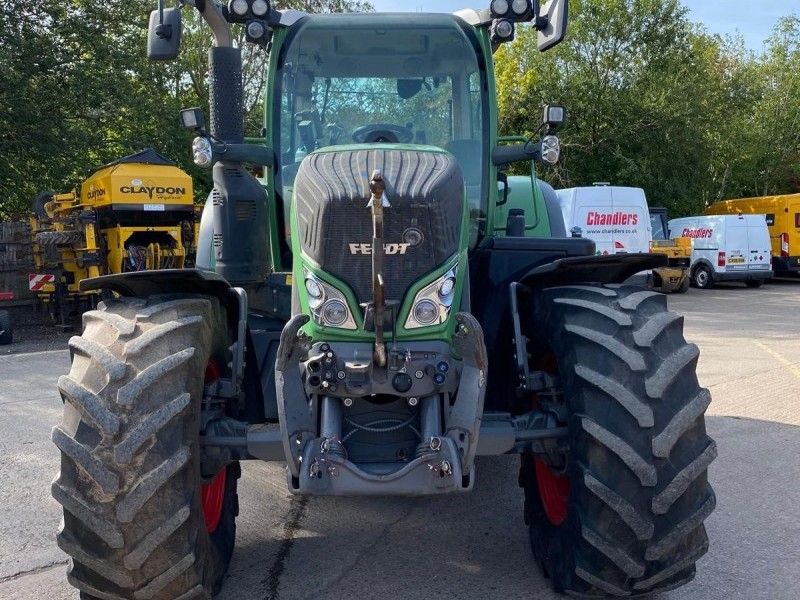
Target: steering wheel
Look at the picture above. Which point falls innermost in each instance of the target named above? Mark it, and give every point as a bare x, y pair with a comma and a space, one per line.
383, 133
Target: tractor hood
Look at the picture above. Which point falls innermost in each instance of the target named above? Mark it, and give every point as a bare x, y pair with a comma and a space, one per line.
423, 215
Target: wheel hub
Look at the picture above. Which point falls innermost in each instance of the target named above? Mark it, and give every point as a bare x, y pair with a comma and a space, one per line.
553, 491
212, 497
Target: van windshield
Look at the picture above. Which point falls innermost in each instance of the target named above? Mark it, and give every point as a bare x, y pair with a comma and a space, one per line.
659, 225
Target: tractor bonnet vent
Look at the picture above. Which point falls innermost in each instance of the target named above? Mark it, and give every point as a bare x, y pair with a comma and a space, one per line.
422, 225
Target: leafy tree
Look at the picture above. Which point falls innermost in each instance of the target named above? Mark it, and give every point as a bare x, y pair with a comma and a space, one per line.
656, 102
78, 91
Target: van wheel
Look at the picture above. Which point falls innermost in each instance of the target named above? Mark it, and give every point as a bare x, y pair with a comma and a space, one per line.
703, 278
754, 283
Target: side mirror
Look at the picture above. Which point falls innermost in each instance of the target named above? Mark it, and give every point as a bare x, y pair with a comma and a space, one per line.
164, 33
551, 24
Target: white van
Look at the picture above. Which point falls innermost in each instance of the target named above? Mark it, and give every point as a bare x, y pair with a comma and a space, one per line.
616, 218
727, 248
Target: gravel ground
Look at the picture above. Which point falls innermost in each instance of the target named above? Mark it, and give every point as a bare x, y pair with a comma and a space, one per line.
34, 332
470, 547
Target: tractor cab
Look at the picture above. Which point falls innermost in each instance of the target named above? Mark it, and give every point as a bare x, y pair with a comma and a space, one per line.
406, 80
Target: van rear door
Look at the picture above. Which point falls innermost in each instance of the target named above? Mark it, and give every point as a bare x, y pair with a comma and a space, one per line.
632, 231
758, 240
592, 213
737, 246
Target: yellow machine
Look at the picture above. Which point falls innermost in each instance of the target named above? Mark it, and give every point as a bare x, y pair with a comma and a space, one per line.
783, 221
134, 214
675, 276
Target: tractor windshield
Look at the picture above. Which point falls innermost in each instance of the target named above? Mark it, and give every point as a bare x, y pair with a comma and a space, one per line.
400, 79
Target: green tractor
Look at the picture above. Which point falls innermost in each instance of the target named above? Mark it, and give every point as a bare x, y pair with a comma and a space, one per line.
383, 306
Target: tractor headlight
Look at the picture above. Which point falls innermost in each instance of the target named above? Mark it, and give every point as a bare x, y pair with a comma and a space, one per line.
202, 152
315, 295
432, 303
499, 8
255, 31
521, 8
328, 305
502, 31
551, 149
334, 312
239, 7
260, 8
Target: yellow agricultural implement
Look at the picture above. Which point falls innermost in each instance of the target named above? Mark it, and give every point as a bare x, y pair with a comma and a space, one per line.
134, 214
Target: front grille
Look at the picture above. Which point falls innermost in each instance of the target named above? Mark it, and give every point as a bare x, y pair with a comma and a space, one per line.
426, 193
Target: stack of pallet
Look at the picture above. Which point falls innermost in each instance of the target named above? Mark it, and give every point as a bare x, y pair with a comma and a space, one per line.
16, 260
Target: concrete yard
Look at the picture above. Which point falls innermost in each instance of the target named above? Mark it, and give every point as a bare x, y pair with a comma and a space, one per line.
471, 546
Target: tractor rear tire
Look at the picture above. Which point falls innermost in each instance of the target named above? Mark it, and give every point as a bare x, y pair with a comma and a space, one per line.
6, 332
59, 238
628, 520
137, 523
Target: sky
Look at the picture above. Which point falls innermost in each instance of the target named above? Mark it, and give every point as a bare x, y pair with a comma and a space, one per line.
754, 20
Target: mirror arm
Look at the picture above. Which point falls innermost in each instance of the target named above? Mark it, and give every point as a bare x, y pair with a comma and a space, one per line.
212, 14
511, 153
244, 153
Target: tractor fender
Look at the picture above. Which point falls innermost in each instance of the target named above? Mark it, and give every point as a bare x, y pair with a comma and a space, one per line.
165, 281
612, 268
173, 281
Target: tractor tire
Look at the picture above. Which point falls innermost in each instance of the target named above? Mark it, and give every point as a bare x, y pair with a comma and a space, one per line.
59, 238
6, 332
623, 516
685, 285
139, 520
703, 277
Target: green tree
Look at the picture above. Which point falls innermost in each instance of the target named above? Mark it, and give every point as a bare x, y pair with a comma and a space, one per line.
77, 91
654, 101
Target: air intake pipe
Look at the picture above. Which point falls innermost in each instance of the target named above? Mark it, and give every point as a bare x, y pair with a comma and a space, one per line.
239, 201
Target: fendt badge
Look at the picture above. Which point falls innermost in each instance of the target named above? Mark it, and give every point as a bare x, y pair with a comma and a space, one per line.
387, 248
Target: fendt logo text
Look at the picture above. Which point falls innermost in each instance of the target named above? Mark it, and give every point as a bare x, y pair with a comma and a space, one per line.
697, 233
387, 248
617, 218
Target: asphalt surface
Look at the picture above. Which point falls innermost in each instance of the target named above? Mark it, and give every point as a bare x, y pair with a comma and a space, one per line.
470, 546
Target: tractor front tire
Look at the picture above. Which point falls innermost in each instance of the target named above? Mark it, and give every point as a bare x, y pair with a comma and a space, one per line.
139, 522
624, 515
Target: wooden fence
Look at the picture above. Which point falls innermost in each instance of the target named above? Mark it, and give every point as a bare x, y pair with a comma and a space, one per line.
16, 260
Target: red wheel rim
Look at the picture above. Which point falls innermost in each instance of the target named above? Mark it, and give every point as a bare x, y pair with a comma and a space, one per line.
212, 494
553, 488
554, 492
